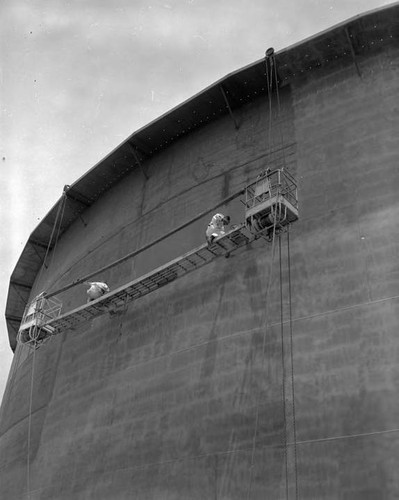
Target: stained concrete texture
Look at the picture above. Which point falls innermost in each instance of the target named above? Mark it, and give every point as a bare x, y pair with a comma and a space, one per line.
218, 386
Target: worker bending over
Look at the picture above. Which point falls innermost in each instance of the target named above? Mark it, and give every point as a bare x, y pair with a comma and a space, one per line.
217, 227
96, 290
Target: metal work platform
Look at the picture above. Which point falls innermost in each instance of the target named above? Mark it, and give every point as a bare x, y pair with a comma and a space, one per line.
271, 202
120, 297
271, 205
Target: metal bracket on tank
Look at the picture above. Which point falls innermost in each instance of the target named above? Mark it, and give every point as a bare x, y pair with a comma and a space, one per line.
34, 329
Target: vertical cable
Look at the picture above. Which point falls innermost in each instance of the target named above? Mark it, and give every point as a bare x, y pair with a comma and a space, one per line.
263, 354
63, 204
280, 128
269, 98
58, 221
30, 421
50, 240
292, 363
284, 407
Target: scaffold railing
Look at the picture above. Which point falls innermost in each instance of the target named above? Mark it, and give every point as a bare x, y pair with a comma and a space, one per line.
154, 280
271, 204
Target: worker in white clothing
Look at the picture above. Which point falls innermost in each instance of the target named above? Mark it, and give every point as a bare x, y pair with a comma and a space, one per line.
217, 227
96, 290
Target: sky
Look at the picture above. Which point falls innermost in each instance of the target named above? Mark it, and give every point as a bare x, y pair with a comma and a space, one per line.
78, 77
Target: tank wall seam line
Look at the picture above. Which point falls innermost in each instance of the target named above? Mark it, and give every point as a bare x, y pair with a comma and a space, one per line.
345, 436
333, 311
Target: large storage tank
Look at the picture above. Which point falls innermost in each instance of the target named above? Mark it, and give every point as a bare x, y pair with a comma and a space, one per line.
271, 374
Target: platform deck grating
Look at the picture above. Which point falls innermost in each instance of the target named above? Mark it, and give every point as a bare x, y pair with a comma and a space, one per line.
231, 241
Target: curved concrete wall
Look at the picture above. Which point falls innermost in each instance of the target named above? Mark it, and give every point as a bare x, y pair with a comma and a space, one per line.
181, 395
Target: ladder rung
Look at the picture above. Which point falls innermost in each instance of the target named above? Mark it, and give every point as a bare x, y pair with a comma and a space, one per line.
155, 279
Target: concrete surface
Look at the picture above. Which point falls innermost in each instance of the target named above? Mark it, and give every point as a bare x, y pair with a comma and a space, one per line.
180, 396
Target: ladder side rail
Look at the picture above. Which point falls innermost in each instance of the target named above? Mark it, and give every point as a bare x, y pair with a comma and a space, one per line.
147, 246
147, 282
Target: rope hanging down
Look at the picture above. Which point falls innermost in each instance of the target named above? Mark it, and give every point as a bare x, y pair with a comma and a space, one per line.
272, 79
61, 217
284, 358
263, 319
272, 82
292, 363
30, 424
58, 221
55, 231
268, 64
283, 393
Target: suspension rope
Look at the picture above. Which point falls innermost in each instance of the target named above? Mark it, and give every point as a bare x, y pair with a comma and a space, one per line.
292, 363
55, 230
270, 70
62, 211
58, 217
57, 222
264, 317
284, 406
280, 128
272, 81
269, 98
30, 421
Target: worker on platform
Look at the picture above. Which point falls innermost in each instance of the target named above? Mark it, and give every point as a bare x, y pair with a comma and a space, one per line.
96, 290
217, 227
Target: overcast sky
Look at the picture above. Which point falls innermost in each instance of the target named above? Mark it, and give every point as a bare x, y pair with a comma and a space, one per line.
79, 76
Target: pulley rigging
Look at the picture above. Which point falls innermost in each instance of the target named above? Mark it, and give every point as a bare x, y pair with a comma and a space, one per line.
271, 206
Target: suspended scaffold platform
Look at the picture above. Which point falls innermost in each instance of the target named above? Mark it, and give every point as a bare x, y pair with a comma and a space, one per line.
153, 280
270, 204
